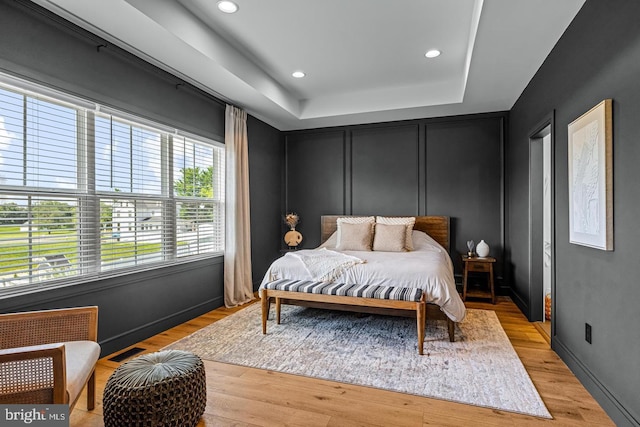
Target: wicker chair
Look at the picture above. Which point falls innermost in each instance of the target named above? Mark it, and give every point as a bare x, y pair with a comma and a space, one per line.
48, 356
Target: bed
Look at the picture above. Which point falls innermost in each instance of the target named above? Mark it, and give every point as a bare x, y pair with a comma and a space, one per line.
427, 267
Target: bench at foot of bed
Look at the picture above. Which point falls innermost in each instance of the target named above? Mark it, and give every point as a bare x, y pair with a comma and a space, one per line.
383, 297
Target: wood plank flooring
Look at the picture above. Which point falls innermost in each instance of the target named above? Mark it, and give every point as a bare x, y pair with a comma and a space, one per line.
239, 396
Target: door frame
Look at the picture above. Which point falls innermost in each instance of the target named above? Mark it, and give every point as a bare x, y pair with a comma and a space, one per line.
536, 305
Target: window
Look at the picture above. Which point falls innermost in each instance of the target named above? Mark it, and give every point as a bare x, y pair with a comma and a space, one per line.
198, 190
83, 193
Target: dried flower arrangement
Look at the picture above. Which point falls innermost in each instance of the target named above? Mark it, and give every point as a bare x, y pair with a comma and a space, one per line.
291, 219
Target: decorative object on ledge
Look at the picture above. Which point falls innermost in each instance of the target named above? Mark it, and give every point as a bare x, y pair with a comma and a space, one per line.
470, 245
482, 249
591, 178
292, 237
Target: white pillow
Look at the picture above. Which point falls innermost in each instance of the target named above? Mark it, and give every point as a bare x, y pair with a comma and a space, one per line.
355, 219
355, 237
408, 222
389, 238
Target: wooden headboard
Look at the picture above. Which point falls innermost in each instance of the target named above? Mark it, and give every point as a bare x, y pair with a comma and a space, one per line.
435, 226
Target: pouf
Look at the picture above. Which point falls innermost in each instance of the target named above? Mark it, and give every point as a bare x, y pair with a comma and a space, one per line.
162, 389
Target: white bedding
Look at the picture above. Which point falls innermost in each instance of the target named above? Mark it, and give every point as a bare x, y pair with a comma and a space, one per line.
427, 267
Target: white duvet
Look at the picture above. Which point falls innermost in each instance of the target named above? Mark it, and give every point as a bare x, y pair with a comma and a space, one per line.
427, 267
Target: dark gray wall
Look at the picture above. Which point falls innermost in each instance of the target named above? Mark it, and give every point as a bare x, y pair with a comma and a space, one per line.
39, 46
385, 169
266, 172
445, 166
598, 57
136, 306
465, 179
315, 179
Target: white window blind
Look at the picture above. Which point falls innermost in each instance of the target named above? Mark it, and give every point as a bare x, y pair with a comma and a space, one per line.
132, 232
83, 193
128, 157
199, 193
39, 140
39, 239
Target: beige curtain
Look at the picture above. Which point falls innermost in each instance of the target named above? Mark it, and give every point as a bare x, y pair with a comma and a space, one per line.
238, 286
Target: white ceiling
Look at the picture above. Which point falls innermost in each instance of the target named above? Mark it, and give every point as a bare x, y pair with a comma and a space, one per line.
364, 59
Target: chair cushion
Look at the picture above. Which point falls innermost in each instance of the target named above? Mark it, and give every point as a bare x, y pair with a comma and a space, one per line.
81, 357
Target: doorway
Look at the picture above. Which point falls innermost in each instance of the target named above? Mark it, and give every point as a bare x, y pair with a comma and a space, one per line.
541, 223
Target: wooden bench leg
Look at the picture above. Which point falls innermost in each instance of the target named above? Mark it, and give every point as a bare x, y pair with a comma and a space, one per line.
452, 329
420, 319
278, 310
265, 310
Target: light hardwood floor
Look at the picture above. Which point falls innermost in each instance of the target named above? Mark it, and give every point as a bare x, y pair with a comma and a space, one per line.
239, 396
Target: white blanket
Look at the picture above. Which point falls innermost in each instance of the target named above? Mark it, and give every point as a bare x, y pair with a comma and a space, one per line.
325, 265
428, 267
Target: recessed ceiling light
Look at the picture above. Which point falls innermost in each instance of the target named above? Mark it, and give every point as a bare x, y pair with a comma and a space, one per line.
298, 74
227, 6
432, 53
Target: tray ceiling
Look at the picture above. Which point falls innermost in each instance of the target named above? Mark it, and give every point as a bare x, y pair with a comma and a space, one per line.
364, 60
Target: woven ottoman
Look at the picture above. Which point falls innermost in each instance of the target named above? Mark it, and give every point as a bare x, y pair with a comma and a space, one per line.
162, 389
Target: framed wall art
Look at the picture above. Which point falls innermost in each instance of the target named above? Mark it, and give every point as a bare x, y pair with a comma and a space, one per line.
591, 178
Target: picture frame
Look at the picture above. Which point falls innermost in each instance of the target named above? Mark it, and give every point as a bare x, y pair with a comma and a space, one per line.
591, 178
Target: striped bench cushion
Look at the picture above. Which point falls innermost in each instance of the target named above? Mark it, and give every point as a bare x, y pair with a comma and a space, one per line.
363, 291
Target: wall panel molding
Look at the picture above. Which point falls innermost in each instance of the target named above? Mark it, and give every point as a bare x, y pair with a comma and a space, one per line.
411, 168
385, 167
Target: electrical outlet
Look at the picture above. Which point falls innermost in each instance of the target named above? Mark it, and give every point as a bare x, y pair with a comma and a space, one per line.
587, 332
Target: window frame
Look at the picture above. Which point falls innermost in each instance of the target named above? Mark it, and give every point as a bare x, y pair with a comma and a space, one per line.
89, 228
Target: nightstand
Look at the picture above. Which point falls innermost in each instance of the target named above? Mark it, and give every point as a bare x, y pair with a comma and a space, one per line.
478, 265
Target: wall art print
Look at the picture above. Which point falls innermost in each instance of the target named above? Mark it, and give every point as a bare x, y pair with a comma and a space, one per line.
591, 178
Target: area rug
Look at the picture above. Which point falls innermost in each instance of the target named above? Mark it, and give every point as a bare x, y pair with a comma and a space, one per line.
481, 368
